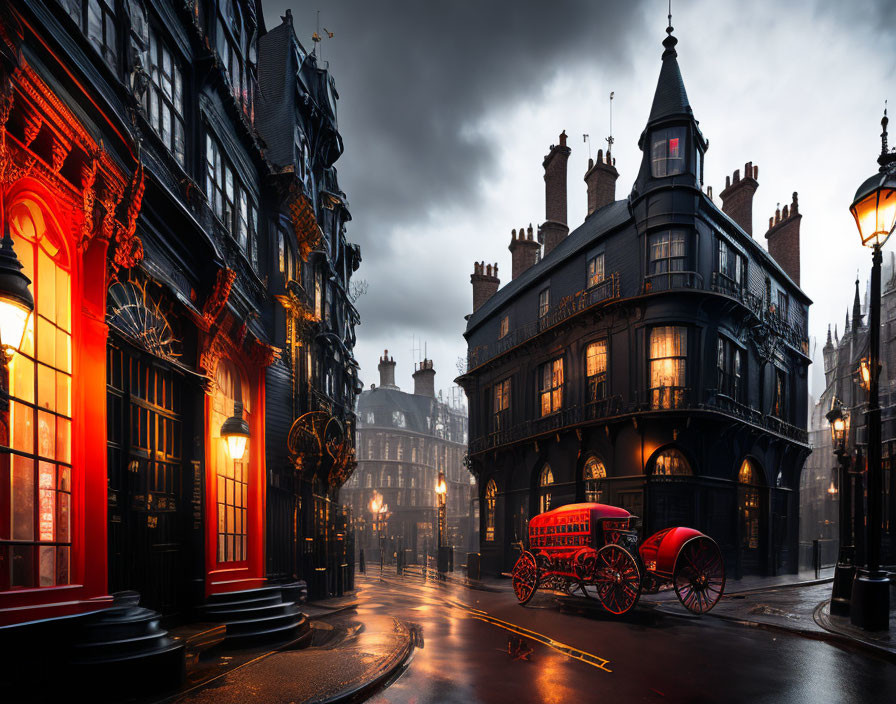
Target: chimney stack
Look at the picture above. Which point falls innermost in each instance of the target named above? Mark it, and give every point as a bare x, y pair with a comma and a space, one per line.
386, 368
555, 227
601, 181
485, 283
523, 251
737, 198
424, 379
784, 239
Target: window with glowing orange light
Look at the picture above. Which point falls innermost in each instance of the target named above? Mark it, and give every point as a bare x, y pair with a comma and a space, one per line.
36, 537
545, 486
550, 386
491, 500
668, 365
592, 474
231, 476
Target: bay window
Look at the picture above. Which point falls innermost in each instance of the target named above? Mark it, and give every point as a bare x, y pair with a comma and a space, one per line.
668, 350
667, 259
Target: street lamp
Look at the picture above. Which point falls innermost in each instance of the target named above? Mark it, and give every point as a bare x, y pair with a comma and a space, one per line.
874, 209
845, 571
235, 431
16, 305
441, 491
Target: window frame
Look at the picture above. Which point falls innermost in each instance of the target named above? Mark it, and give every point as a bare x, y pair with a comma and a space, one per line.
156, 100
597, 381
661, 143
594, 274
729, 368
544, 302
658, 400
501, 405
504, 327
551, 386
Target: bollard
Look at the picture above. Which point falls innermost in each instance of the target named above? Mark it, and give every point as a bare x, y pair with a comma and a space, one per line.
363, 568
816, 557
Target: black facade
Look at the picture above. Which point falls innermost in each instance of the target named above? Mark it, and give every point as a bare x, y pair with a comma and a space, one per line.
655, 358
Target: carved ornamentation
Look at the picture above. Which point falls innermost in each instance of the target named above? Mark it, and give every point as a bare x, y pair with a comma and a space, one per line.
33, 123
139, 316
304, 224
262, 354
217, 299
60, 150
128, 247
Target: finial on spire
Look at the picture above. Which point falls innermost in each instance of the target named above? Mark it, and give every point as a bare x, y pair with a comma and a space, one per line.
670, 41
610, 139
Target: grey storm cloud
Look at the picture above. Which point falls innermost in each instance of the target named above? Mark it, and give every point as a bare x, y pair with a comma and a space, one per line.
412, 75
412, 78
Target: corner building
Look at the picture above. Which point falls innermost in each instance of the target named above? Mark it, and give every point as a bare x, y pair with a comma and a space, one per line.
655, 358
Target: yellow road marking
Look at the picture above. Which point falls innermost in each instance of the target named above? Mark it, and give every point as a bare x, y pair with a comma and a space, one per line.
568, 650
574, 653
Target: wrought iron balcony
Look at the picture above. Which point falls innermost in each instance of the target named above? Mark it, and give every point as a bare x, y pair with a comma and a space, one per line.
672, 280
583, 300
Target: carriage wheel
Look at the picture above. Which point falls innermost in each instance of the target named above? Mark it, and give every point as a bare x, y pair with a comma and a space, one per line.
617, 578
525, 577
583, 563
699, 575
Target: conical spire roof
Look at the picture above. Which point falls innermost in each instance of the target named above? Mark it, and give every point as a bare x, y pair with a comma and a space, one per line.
670, 99
856, 308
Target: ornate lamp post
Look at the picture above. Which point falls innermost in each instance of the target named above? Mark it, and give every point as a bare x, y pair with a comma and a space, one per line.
874, 209
441, 491
845, 570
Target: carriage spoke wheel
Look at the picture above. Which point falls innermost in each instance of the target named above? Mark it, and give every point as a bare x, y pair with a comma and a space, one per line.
699, 575
525, 577
617, 578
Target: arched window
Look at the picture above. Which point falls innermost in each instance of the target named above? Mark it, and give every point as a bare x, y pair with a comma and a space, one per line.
491, 499
671, 463
545, 482
40, 410
592, 474
748, 473
232, 476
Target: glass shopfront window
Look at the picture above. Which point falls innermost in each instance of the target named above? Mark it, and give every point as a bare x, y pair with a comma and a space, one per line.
36, 536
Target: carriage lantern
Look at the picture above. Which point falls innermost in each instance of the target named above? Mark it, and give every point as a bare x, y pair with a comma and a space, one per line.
236, 431
839, 421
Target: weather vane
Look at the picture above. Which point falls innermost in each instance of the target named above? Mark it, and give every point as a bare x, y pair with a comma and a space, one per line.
610, 139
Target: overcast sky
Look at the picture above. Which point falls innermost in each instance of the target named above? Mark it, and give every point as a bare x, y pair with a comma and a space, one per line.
447, 109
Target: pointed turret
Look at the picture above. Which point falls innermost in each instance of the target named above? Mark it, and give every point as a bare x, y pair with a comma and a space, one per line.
856, 309
672, 143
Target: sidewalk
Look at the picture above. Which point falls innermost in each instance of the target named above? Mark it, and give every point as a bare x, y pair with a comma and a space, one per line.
345, 659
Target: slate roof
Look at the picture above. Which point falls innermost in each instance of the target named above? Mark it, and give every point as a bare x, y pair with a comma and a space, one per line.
382, 402
671, 98
599, 222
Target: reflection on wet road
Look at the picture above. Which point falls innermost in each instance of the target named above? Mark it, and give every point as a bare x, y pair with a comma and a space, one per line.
483, 647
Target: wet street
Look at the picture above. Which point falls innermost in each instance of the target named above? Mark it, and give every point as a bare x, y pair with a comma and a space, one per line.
481, 646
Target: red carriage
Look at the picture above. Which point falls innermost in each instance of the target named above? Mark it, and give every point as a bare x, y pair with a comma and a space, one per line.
593, 546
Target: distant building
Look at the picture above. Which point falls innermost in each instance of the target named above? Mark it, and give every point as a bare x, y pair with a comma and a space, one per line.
842, 357
403, 441
654, 358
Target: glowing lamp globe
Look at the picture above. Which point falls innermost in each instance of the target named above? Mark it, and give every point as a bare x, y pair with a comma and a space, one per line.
874, 208
839, 421
236, 432
441, 487
16, 301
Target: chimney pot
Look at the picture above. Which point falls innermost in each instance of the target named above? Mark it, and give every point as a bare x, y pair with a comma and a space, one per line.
425, 379
784, 239
555, 166
386, 369
737, 197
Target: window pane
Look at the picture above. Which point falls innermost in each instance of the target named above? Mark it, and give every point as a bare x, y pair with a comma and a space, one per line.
63, 300
46, 387
21, 378
46, 435
22, 498
22, 421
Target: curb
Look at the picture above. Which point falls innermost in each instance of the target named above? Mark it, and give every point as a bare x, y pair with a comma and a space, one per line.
827, 635
819, 617
391, 671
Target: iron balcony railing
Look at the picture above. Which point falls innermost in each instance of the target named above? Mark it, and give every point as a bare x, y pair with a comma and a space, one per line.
765, 311
659, 399
606, 290
672, 280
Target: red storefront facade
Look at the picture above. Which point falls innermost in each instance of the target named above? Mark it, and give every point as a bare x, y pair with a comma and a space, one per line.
66, 201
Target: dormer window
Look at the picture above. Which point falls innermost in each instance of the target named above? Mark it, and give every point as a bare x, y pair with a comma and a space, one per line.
667, 153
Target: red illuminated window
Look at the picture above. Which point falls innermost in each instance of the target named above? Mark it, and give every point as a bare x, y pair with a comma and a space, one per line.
667, 156
35, 543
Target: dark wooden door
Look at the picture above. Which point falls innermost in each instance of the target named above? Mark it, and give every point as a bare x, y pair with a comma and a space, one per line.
148, 507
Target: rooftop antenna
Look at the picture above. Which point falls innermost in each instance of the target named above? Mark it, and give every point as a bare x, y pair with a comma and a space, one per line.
610, 139
587, 138
670, 14
415, 348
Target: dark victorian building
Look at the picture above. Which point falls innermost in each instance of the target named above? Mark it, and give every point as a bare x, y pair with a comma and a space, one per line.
655, 358
190, 304
404, 440
311, 388
843, 356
